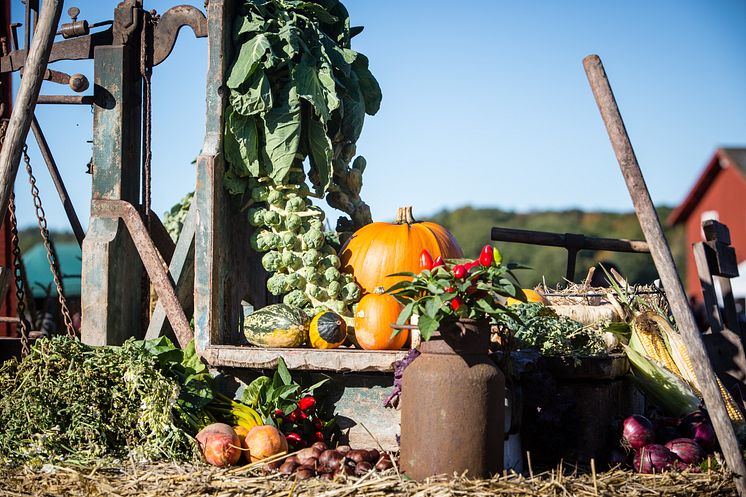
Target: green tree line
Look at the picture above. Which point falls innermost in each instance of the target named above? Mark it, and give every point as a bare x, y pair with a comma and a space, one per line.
472, 228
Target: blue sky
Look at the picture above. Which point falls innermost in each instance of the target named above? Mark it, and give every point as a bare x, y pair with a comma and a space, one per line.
485, 103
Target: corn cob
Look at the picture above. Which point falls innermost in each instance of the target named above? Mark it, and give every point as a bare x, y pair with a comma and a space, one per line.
648, 336
684, 363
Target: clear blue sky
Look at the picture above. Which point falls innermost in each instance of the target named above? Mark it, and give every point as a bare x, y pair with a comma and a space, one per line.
485, 103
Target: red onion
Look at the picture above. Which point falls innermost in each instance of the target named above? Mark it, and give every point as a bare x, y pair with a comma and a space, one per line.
686, 449
637, 431
653, 458
704, 435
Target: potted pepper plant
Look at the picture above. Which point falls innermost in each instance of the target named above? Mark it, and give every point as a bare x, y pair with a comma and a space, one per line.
454, 380
456, 292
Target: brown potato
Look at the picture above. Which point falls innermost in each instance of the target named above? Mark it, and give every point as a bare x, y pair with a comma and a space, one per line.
357, 455
308, 453
344, 449
293, 459
304, 473
331, 458
373, 456
326, 476
362, 468
320, 445
288, 468
384, 464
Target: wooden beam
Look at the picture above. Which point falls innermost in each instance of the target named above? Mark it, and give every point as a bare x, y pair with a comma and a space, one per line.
25, 102
666, 267
181, 270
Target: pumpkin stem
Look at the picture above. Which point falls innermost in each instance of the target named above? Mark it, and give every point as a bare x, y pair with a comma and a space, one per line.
404, 215
379, 290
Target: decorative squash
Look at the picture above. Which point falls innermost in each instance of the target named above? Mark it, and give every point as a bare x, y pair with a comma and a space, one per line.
531, 296
277, 325
327, 331
375, 314
379, 249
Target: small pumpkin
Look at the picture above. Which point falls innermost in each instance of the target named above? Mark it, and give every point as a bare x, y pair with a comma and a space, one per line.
276, 325
327, 331
379, 249
375, 314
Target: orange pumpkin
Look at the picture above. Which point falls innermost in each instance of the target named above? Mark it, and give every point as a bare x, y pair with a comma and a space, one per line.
379, 249
375, 314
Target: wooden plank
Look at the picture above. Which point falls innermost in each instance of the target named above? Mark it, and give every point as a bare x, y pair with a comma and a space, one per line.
708, 287
666, 267
339, 360
181, 270
152, 261
25, 101
5, 278
111, 280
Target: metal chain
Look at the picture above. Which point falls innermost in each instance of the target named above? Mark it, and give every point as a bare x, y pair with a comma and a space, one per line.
23, 324
146, 71
51, 255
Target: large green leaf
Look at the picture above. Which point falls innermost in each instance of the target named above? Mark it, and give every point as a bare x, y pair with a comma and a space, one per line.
353, 109
257, 97
290, 38
321, 154
242, 144
245, 25
306, 78
253, 392
368, 84
282, 127
249, 58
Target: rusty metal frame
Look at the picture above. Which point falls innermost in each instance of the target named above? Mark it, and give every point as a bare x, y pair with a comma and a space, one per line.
151, 259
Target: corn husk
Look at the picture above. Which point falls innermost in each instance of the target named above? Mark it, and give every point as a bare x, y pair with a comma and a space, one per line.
660, 385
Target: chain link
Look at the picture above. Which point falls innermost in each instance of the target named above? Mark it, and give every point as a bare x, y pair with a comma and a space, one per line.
146, 71
23, 324
51, 254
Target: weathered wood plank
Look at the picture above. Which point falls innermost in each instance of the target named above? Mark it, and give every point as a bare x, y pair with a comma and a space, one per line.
181, 269
112, 272
339, 360
25, 101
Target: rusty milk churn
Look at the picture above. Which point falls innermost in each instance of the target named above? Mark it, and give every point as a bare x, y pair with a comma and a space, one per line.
453, 406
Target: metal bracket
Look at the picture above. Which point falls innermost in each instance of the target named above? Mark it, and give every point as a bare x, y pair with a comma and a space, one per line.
152, 261
169, 24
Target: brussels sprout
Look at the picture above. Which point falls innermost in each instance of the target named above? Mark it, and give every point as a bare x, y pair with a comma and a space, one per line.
317, 292
290, 260
272, 218
289, 240
276, 284
293, 223
295, 204
333, 289
272, 261
276, 198
326, 251
332, 260
256, 216
296, 298
315, 223
337, 306
263, 240
296, 280
260, 193
311, 258
350, 293
313, 239
331, 274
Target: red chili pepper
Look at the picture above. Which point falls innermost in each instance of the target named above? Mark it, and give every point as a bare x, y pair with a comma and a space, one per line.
306, 403
279, 413
318, 424
487, 256
294, 416
426, 260
318, 436
471, 290
459, 271
449, 289
439, 262
294, 439
298, 415
455, 303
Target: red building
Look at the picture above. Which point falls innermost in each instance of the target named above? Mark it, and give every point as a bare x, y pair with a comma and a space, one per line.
720, 194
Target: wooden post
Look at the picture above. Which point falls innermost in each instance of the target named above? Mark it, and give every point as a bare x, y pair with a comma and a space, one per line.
666, 267
111, 281
23, 107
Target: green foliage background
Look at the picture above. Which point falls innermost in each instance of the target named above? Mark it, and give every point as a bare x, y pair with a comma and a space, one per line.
472, 226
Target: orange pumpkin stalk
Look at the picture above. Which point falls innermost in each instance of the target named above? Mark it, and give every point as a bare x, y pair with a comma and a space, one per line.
380, 249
